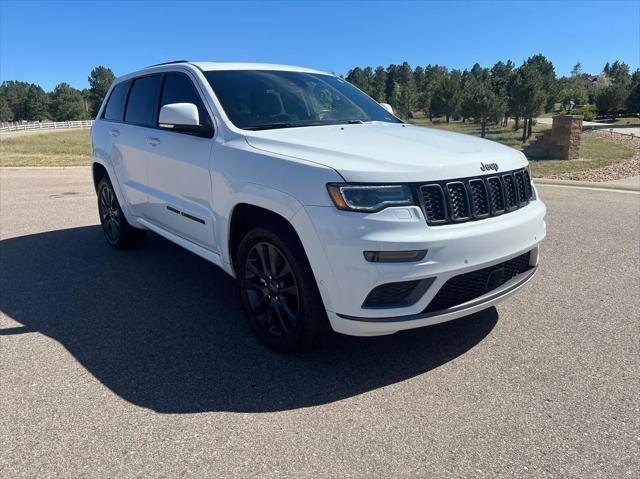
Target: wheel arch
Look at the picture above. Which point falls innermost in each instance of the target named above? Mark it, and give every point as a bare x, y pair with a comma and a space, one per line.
246, 216
100, 171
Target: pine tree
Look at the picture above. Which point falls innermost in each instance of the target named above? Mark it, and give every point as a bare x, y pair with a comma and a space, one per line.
379, 84
66, 103
5, 112
100, 80
480, 102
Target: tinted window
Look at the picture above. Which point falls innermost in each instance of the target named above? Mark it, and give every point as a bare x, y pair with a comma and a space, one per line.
115, 104
258, 100
143, 101
178, 88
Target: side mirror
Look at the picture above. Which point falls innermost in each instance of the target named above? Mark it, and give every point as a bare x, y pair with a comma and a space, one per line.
387, 107
180, 117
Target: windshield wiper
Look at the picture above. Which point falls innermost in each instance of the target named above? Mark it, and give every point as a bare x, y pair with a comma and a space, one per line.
270, 126
295, 124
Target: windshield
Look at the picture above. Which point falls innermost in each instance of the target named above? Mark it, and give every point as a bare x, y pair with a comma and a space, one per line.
261, 100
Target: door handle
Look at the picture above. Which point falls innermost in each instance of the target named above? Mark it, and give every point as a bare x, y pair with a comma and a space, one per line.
153, 141
114, 132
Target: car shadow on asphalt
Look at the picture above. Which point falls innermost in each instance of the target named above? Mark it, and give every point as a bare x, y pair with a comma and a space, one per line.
163, 329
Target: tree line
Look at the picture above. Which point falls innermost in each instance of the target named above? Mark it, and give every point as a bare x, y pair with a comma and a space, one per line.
487, 95
483, 95
27, 101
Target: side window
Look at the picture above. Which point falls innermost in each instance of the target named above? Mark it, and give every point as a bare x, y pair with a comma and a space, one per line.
143, 100
115, 104
178, 88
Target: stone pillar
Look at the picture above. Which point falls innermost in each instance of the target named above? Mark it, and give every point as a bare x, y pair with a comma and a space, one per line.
566, 132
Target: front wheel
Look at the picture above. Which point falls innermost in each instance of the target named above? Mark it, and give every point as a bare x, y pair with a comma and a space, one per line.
117, 230
278, 291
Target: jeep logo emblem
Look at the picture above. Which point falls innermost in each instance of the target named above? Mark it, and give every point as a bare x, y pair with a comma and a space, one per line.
488, 166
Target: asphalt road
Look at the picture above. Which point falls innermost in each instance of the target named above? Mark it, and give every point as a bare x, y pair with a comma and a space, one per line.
141, 364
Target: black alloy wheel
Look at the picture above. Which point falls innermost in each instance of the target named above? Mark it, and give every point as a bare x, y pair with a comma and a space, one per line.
109, 214
272, 289
117, 230
278, 290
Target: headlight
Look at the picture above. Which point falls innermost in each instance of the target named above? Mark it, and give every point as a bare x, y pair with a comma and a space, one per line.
369, 198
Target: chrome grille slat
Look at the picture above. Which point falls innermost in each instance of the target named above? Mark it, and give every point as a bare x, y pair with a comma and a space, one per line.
470, 199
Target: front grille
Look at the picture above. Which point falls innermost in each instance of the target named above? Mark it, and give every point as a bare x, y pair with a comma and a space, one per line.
470, 199
468, 286
402, 293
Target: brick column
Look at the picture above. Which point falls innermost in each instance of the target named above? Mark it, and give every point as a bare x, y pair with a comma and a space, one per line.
566, 132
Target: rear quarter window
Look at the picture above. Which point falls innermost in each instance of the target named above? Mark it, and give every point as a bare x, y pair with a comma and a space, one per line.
115, 105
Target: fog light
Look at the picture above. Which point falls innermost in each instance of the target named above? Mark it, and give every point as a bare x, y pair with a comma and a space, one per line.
395, 256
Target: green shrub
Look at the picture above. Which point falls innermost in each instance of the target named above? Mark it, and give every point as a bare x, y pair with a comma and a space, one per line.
588, 113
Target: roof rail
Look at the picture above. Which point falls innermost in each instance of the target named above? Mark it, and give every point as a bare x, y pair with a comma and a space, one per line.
168, 63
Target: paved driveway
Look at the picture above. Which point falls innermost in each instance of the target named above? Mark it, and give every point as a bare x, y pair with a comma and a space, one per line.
592, 125
141, 364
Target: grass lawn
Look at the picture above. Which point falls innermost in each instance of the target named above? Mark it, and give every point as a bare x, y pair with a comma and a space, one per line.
504, 135
595, 151
68, 148
73, 148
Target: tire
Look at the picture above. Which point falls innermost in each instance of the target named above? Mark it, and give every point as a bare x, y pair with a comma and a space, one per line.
279, 295
117, 231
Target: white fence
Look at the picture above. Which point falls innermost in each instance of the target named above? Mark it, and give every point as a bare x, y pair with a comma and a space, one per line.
46, 125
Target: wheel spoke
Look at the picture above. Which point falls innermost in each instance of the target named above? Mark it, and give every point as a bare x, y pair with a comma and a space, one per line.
103, 199
293, 318
263, 260
262, 306
252, 268
273, 259
116, 227
286, 269
289, 290
277, 308
255, 285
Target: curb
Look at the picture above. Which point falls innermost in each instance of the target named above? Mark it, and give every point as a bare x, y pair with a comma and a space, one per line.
71, 167
588, 184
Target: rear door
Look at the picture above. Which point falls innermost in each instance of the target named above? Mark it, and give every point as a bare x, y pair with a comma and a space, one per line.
115, 144
178, 169
131, 136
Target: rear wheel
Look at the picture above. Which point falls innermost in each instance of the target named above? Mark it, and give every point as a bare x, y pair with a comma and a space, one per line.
117, 231
279, 293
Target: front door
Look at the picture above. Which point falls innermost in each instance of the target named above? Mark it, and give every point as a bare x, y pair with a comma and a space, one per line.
179, 195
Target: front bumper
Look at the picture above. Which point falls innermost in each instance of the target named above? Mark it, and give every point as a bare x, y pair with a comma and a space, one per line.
345, 278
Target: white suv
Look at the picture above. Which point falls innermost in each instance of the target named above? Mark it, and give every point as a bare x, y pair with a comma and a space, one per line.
329, 211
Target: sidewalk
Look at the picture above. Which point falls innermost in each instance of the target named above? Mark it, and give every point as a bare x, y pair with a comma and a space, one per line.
626, 184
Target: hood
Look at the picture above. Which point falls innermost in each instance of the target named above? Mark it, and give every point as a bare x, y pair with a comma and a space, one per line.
388, 152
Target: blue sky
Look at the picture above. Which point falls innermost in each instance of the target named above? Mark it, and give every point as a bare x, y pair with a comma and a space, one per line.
51, 42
